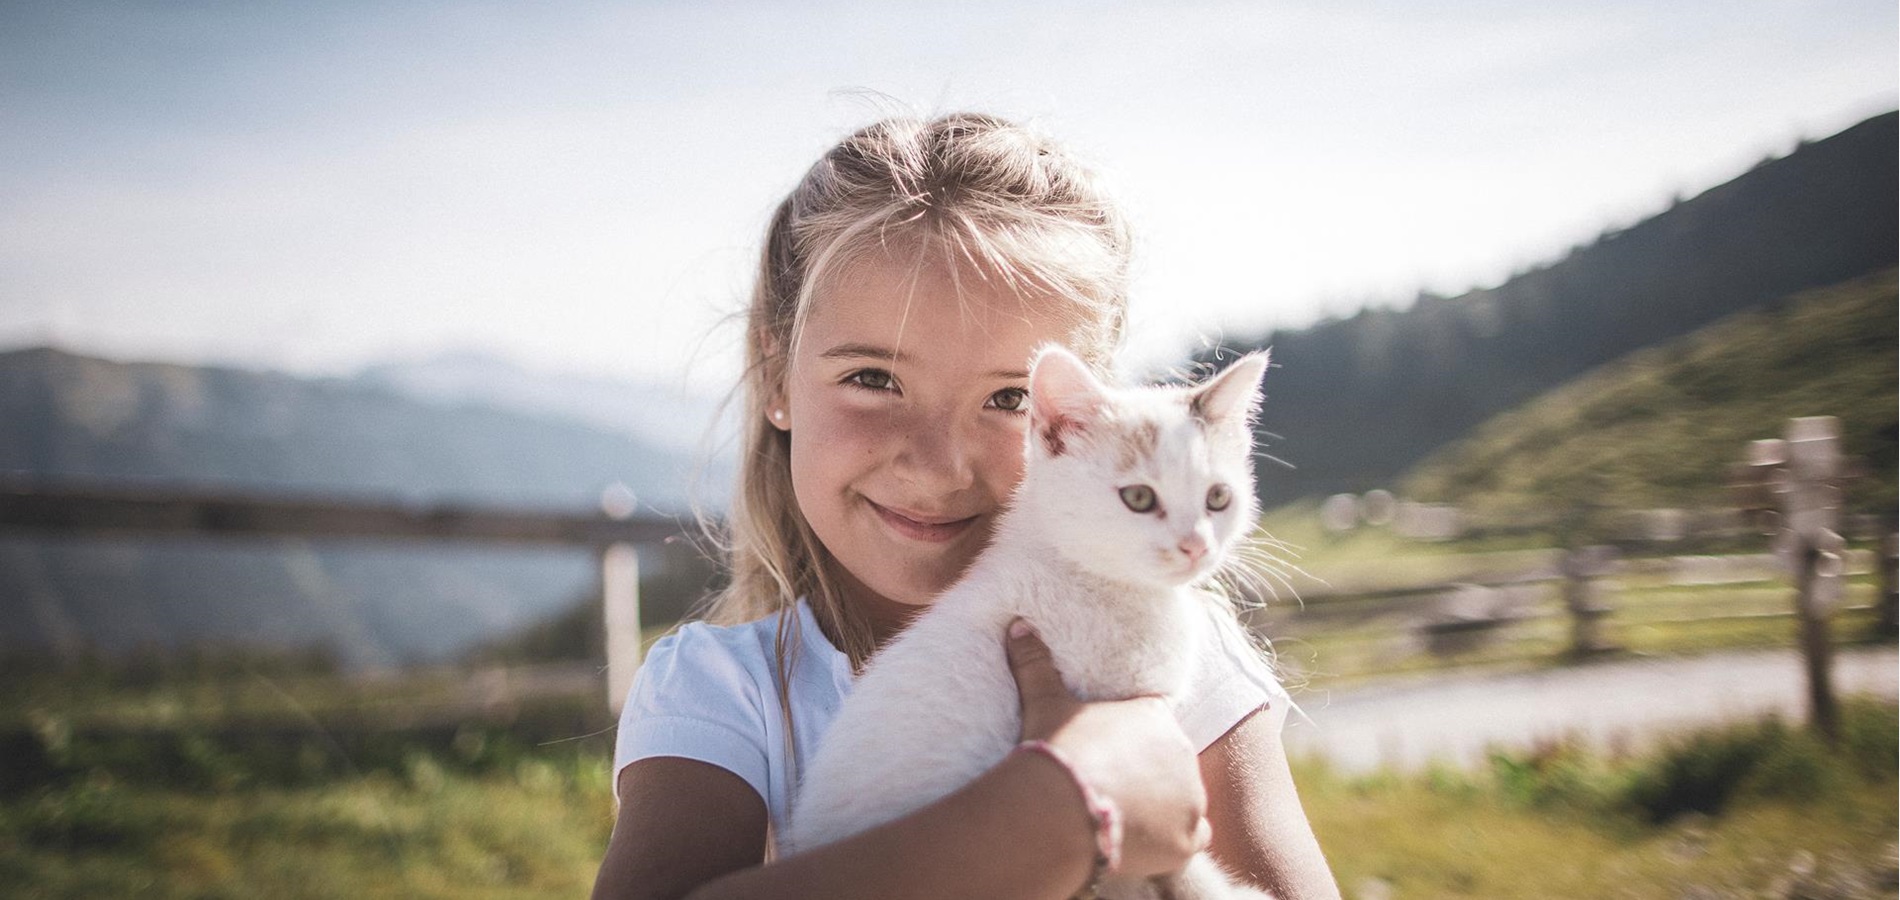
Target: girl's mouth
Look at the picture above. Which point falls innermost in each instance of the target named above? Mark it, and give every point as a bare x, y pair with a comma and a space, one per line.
917, 527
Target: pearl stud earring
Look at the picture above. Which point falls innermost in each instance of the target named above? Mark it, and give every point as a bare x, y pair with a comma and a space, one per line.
778, 415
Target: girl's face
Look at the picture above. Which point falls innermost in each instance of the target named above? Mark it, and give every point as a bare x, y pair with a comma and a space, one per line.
906, 402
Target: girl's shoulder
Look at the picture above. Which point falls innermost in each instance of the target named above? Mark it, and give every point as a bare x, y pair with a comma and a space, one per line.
1231, 678
737, 642
698, 657
708, 655
710, 693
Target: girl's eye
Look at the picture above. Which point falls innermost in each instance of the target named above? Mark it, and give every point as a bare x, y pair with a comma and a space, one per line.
1219, 496
871, 379
1009, 399
1139, 497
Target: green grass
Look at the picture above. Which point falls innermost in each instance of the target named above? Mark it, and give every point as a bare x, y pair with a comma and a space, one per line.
1426, 841
1741, 810
536, 831
1758, 809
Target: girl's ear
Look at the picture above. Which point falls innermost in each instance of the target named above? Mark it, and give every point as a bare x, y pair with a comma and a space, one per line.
1233, 396
1065, 398
777, 410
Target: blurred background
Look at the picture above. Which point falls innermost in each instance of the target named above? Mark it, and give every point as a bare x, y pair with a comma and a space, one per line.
349, 352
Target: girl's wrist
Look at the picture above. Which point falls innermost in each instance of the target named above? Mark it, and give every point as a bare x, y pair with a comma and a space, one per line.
1104, 816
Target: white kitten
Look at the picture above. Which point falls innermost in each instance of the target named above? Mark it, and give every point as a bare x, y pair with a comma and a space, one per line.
1129, 497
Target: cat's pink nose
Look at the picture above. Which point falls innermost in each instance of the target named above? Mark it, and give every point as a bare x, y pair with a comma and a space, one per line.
1193, 547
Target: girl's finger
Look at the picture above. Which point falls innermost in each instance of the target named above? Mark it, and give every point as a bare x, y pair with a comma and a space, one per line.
1037, 679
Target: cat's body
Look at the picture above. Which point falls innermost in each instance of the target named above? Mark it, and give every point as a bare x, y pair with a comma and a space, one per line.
1108, 587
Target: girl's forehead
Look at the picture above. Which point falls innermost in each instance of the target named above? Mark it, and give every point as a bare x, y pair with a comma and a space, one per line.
935, 312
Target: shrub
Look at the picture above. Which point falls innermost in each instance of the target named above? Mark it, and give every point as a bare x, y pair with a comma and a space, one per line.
1706, 771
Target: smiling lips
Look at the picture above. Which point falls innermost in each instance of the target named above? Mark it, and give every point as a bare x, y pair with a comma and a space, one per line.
918, 527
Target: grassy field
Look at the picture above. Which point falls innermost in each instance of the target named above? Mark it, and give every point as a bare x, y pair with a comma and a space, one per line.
426, 831
1334, 620
1751, 810
1747, 811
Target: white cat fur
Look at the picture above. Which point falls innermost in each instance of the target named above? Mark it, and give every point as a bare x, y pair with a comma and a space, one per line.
1108, 589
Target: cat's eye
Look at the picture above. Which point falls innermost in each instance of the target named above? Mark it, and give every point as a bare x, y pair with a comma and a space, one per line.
1219, 496
1009, 399
1139, 497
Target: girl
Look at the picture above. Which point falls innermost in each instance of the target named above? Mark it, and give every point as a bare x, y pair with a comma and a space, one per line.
905, 283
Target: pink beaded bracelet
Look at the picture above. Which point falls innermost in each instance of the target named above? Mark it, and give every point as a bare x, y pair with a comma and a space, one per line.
1107, 816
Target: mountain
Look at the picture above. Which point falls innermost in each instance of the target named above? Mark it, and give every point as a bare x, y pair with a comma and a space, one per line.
1662, 426
74, 417
659, 414
1354, 402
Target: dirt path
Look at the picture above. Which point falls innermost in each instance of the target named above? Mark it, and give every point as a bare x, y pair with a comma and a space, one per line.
1615, 703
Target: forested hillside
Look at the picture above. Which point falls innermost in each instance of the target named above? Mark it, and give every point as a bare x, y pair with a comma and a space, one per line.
1661, 426
1354, 402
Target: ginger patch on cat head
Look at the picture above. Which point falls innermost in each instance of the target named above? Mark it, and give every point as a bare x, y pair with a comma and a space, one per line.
1136, 442
1065, 398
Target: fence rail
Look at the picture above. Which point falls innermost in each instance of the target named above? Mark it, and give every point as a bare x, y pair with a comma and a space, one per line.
1490, 597
104, 509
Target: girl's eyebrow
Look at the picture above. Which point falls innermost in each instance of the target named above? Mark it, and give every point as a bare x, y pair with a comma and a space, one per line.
886, 354
863, 351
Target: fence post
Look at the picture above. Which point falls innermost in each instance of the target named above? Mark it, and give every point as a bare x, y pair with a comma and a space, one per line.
1810, 542
1887, 623
1582, 597
620, 604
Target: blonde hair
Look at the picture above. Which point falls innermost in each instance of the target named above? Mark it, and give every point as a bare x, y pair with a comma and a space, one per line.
995, 200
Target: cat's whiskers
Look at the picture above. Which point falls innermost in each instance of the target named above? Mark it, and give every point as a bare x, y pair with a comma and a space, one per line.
1252, 564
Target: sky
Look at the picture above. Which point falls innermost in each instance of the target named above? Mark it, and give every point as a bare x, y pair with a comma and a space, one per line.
582, 187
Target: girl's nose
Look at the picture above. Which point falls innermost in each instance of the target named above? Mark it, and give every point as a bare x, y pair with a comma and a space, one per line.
933, 455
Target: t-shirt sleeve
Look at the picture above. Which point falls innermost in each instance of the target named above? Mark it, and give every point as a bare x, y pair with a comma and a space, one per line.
1230, 681
694, 698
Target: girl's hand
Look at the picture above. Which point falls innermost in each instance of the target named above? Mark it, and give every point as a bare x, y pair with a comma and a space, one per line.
1131, 750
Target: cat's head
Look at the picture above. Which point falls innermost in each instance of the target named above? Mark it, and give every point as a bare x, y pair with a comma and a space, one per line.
1152, 485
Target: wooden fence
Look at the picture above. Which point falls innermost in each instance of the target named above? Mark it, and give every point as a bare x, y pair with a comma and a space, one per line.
105, 509
1582, 593
1791, 485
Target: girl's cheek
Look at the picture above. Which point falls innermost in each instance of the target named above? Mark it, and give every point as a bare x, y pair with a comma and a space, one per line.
1004, 453
857, 429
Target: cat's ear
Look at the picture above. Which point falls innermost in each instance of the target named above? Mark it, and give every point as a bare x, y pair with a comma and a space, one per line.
1233, 395
1064, 398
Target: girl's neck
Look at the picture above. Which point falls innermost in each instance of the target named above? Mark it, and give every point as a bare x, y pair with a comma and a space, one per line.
886, 617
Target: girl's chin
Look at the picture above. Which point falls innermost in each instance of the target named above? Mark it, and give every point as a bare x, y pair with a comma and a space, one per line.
916, 596
923, 580
897, 591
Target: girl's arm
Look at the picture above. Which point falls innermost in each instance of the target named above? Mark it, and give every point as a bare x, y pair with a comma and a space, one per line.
1021, 830
1260, 831
682, 823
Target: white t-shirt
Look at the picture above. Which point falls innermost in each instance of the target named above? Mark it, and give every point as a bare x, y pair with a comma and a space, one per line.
710, 693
